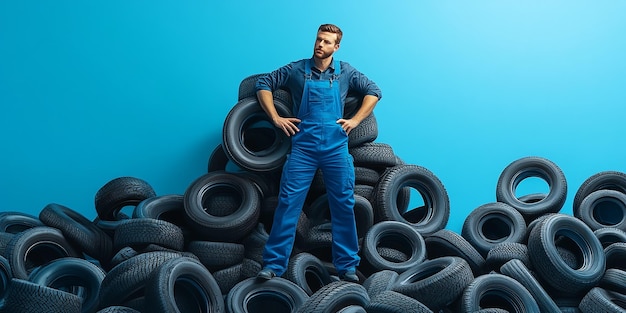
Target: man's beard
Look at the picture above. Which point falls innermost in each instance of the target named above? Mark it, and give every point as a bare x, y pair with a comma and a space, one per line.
324, 55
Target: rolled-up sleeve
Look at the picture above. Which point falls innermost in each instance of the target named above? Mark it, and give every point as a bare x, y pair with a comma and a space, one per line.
361, 83
274, 80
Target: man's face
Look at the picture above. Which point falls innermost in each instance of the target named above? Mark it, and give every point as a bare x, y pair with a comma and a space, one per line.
325, 45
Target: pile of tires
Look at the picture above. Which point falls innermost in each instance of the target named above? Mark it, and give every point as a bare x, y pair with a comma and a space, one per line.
200, 251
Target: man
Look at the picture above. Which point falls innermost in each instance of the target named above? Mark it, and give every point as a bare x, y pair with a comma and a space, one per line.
318, 88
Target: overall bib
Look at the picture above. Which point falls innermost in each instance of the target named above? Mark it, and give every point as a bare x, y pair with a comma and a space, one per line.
320, 143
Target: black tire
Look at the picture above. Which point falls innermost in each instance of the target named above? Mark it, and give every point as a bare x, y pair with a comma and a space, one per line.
395, 302
319, 213
505, 252
600, 300
5, 238
35, 247
170, 208
17, 222
437, 282
128, 279
119, 193
78, 276
26, 297
611, 180
366, 176
254, 243
365, 132
352, 104
363, 215
396, 235
525, 168
276, 295
603, 208
609, 235
497, 291
434, 194
334, 297
216, 227
380, 281
568, 232
520, 272
140, 232
247, 86
118, 309
448, 243
614, 280
216, 256
5, 277
615, 255
121, 256
373, 155
365, 191
218, 160
183, 285
246, 115
250, 268
308, 272
491, 224
78, 230
229, 277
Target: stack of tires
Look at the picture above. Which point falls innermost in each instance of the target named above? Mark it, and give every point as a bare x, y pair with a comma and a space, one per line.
200, 251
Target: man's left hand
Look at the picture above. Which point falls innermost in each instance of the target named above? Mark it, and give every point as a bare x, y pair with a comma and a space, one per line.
347, 124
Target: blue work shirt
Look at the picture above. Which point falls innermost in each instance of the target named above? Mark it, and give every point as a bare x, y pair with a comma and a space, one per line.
291, 78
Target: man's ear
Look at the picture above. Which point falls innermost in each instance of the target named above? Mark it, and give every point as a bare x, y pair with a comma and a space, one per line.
336, 46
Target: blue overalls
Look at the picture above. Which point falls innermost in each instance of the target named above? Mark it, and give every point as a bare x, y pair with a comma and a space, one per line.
320, 143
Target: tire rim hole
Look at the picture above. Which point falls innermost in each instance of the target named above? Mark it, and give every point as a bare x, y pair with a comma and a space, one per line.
221, 201
415, 210
398, 243
43, 253
531, 185
494, 299
571, 254
313, 280
609, 211
189, 296
268, 302
495, 229
259, 139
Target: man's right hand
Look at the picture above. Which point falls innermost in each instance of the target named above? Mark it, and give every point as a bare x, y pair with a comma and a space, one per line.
287, 124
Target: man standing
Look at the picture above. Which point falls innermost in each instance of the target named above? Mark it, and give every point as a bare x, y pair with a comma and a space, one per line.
318, 88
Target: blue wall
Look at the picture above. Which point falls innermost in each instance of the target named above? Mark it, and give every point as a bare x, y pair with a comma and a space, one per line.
94, 90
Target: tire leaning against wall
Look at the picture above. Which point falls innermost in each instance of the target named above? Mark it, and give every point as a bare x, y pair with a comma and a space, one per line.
243, 116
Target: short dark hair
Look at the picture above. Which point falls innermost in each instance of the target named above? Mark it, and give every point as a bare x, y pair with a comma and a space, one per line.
331, 29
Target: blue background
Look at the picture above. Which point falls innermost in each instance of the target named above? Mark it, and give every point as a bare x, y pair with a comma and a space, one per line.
94, 90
